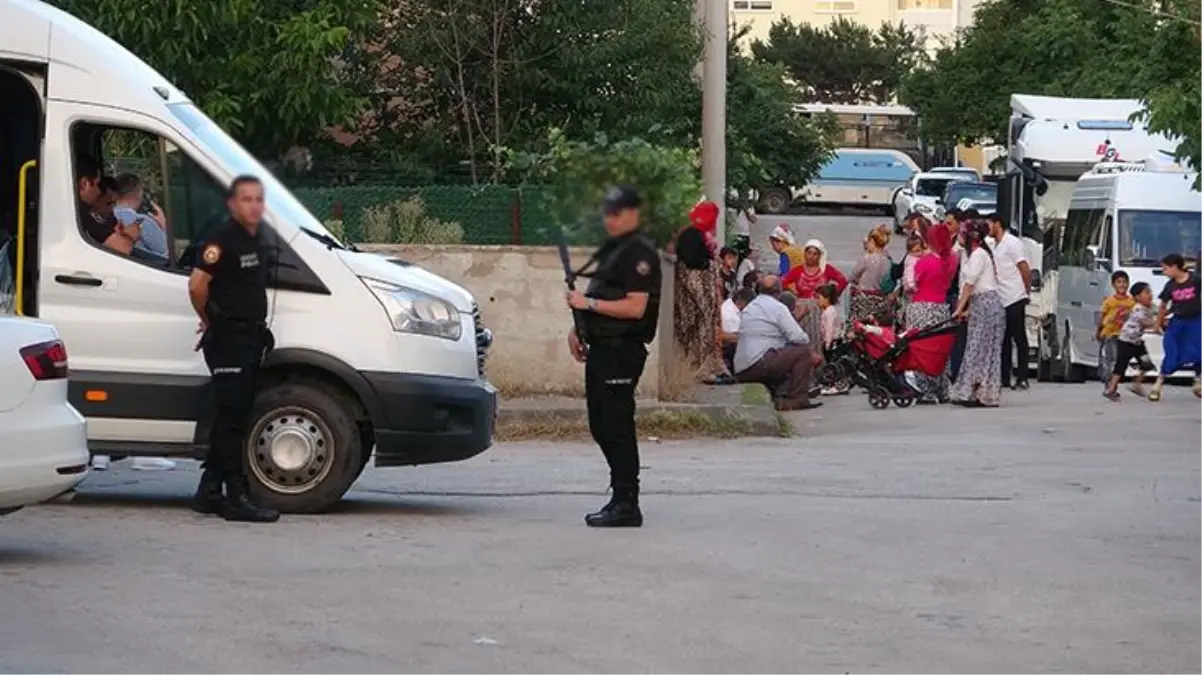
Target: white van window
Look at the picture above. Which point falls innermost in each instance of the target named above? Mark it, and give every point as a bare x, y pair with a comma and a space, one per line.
1080, 230
1147, 236
190, 203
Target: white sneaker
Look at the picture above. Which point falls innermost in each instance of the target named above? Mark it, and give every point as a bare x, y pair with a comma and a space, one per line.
100, 462
152, 464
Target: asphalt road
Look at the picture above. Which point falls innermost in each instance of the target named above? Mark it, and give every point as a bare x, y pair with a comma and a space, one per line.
1058, 533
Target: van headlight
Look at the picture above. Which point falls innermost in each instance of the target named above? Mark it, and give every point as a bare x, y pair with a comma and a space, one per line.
415, 312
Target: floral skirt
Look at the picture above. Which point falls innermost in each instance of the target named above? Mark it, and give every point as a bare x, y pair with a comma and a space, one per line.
697, 320
980, 377
871, 308
924, 315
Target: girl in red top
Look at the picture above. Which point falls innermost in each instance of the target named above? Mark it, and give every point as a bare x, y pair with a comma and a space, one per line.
804, 280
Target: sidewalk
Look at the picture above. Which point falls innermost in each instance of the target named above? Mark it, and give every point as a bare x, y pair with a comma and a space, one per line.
721, 411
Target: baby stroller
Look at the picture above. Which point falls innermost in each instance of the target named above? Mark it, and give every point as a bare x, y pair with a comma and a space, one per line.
877, 360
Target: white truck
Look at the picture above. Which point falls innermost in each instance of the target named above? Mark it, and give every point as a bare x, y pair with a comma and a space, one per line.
1052, 142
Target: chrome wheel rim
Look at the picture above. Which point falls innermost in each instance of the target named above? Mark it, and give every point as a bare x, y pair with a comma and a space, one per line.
291, 451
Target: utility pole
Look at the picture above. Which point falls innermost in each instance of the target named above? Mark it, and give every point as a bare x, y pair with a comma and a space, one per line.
713, 107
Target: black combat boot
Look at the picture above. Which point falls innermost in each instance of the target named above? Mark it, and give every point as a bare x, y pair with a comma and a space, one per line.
239, 508
621, 511
208, 499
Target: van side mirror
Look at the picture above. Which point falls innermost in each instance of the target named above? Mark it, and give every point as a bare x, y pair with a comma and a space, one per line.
1036, 280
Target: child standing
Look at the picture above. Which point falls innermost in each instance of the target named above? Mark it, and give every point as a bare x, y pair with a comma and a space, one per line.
915, 249
1129, 344
1115, 309
827, 297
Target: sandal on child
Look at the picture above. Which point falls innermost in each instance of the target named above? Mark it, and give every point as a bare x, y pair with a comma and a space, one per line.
1154, 395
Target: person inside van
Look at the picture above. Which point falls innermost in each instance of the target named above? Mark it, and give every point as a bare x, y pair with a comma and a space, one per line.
145, 230
95, 216
1180, 317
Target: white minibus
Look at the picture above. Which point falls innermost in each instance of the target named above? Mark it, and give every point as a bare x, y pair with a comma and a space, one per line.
374, 356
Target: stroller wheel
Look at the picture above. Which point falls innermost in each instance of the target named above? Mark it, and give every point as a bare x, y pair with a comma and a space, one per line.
903, 401
878, 399
829, 375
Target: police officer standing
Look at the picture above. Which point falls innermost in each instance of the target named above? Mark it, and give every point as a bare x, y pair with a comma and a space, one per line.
228, 289
620, 311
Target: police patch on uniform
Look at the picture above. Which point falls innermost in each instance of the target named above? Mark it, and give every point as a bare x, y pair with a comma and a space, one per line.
212, 254
643, 268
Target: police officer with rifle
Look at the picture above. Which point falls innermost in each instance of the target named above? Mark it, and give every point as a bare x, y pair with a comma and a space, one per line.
616, 319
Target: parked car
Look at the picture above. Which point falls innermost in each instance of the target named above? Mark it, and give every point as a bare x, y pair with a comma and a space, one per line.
43, 440
965, 172
966, 195
922, 194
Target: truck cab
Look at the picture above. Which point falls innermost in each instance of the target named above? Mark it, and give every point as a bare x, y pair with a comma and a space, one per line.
374, 357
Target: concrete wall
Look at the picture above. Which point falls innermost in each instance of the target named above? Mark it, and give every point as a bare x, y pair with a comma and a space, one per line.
520, 290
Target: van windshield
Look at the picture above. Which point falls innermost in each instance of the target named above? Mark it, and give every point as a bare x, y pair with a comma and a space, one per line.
1147, 236
228, 151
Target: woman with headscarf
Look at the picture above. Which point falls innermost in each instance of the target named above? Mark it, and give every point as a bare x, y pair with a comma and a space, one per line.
785, 244
804, 280
933, 274
869, 303
698, 292
979, 382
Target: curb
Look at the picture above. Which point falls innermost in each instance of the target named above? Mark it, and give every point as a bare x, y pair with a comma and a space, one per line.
757, 420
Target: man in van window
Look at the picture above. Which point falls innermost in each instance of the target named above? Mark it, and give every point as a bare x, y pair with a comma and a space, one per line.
94, 216
146, 230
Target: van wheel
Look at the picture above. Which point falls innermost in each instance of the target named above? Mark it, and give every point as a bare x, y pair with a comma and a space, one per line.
774, 201
303, 450
1073, 373
1043, 354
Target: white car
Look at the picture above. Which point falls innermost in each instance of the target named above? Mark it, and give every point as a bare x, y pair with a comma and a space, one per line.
965, 172
43, 439
921, 195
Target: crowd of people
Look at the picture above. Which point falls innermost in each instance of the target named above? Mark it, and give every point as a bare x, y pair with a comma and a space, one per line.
739, 324
731, 319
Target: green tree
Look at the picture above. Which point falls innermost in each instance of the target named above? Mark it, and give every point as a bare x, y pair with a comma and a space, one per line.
463, 78
1175, 102
266, 70
844, 62
1073, 48
574, 175
766, 142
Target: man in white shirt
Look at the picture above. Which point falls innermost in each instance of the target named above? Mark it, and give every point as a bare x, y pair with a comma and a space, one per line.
1014, 285
732, 311
773, 349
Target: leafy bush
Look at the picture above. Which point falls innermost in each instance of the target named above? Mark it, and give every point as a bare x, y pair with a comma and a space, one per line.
406, 222
573, 176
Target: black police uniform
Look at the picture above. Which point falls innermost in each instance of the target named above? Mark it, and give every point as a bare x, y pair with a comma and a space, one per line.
617, 353
234, 346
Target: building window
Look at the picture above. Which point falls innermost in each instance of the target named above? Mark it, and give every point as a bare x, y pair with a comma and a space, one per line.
753, 5
924, 4
835, 6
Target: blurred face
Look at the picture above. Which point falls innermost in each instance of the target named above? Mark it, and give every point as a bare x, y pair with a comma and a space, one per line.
776, 244
995, 229
813, 255
1171, 271
728, 261
104, 203
89, 191
246, 204
823, 302
1145, 297
1121, 285
620, 222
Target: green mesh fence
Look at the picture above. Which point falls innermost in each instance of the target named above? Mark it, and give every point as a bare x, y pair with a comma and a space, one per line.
435, 214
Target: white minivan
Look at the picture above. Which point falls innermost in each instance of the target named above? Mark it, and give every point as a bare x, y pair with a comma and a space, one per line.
1121, 216
374, 356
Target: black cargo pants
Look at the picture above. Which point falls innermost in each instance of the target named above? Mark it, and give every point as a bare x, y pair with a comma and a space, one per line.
611, 374
233, 351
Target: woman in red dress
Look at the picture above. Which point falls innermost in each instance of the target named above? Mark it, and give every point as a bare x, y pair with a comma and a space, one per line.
804, 280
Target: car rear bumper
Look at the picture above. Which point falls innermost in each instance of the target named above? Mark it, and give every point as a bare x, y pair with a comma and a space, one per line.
43, 453
427, 419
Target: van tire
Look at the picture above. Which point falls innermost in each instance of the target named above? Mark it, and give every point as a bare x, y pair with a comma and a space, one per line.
774, 201
323, 418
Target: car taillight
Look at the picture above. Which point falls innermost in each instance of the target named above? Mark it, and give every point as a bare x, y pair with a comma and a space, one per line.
46, 360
